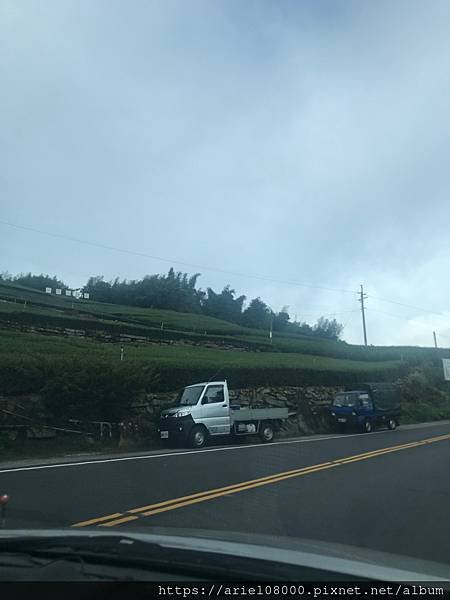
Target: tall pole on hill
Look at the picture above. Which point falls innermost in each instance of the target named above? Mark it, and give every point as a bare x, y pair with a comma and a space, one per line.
435, 340
362, 297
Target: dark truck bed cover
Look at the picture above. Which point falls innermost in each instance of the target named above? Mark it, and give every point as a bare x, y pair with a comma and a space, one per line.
385, 396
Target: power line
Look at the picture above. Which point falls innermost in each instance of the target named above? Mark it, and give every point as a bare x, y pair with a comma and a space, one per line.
172, 261
382, 312
348, 320
218, 270
406, 305
334, 314
402, 317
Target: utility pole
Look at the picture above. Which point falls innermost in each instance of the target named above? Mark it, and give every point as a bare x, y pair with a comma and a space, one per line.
362, 297
435, 340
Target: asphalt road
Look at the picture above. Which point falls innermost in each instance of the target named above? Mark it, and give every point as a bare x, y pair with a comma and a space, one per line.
388, 490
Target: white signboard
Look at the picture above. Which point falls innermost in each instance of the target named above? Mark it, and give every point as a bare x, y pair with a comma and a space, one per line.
58, 292
446, 365
77, 294
48, 290
86, 296
68, 292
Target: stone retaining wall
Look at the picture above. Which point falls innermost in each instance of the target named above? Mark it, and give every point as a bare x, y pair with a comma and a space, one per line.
308, 405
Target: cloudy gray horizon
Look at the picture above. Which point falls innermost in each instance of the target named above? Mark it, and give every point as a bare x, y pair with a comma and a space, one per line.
303, 141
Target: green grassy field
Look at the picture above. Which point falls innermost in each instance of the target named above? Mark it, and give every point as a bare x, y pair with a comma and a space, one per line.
28, 361
32, 345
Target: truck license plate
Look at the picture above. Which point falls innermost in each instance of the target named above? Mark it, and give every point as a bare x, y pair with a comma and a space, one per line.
164, 435
342, 420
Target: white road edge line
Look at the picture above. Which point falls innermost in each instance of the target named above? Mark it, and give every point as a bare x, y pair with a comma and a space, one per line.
182, 453
194, 452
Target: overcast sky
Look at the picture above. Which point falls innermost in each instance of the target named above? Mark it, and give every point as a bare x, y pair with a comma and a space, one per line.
303, 141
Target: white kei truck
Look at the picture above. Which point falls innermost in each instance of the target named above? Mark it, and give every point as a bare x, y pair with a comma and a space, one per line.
203, 410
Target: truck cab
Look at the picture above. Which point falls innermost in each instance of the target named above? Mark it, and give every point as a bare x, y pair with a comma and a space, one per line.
203, 410
200, 410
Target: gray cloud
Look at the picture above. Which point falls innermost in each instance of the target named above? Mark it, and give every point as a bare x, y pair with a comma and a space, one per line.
307, 141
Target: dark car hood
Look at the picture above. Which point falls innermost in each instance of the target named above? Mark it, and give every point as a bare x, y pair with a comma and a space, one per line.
340, 559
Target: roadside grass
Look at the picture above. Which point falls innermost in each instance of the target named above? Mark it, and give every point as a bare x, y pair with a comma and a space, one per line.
423, 411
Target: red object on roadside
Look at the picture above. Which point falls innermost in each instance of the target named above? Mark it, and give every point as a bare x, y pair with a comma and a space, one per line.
4, 498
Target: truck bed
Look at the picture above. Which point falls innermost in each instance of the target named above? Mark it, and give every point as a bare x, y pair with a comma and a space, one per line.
259, 414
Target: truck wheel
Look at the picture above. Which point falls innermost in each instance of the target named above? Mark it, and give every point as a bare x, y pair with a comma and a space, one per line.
198, 437
266, 433
392, 424
367, 426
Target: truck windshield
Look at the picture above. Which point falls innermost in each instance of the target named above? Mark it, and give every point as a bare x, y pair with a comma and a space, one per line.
350, 399
190, 395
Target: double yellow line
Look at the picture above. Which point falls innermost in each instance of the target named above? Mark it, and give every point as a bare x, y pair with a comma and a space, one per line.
159, 507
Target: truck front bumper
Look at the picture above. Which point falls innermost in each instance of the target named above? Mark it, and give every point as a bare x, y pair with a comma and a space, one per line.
175, 428
348, 420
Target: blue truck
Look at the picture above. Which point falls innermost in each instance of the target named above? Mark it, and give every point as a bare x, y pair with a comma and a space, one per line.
366, 406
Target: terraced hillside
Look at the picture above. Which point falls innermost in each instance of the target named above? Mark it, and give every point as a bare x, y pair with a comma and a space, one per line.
28, 310
63, 359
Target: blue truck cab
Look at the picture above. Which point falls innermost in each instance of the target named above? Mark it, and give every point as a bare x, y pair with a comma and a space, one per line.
366, 406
